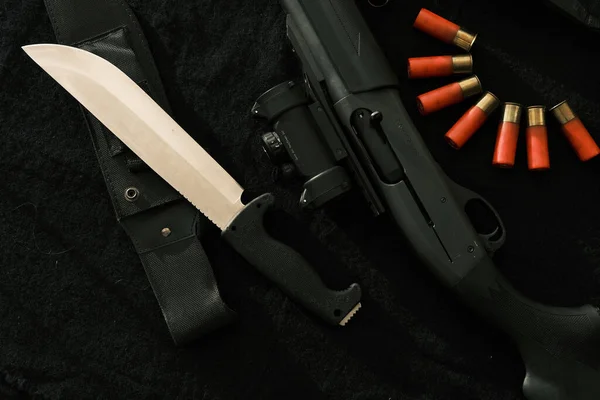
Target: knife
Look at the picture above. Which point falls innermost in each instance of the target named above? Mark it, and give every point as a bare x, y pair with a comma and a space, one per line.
143, 126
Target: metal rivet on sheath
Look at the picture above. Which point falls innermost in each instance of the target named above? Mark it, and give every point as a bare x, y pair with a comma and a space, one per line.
132, 194
165, 232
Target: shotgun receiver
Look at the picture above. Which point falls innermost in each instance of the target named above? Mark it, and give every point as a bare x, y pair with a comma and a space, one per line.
346, 123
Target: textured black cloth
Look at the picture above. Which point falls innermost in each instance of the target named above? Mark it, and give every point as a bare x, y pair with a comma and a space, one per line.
78, 319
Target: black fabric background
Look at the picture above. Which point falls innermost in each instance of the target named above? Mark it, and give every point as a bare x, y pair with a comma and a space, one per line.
78, 319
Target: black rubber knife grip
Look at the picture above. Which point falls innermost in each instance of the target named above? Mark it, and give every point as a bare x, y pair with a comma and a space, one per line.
285, 267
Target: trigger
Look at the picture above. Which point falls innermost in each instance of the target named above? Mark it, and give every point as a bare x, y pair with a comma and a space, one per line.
483, 217
492, 241
486, 222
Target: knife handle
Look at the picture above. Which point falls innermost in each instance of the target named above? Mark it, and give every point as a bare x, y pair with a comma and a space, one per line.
286, 268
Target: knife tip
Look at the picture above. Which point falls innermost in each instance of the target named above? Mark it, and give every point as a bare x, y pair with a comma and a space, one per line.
30, 49
33, 48
27, 48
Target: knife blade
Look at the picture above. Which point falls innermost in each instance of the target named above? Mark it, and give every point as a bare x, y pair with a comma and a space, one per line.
143, 126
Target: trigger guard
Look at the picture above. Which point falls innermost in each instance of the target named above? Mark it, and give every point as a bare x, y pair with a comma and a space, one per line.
463, 196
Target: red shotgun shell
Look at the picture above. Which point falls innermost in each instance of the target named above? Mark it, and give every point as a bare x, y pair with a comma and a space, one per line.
448, 95
538, 156
444, 30
579, 137
508, 136
429, 67
473, 119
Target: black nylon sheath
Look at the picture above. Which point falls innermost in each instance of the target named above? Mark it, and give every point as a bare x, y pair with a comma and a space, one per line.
176, 265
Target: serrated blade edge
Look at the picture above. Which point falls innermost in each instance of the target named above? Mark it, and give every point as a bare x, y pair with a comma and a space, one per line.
351, 314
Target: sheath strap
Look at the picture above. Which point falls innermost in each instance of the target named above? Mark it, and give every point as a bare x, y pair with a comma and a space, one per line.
163, 226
